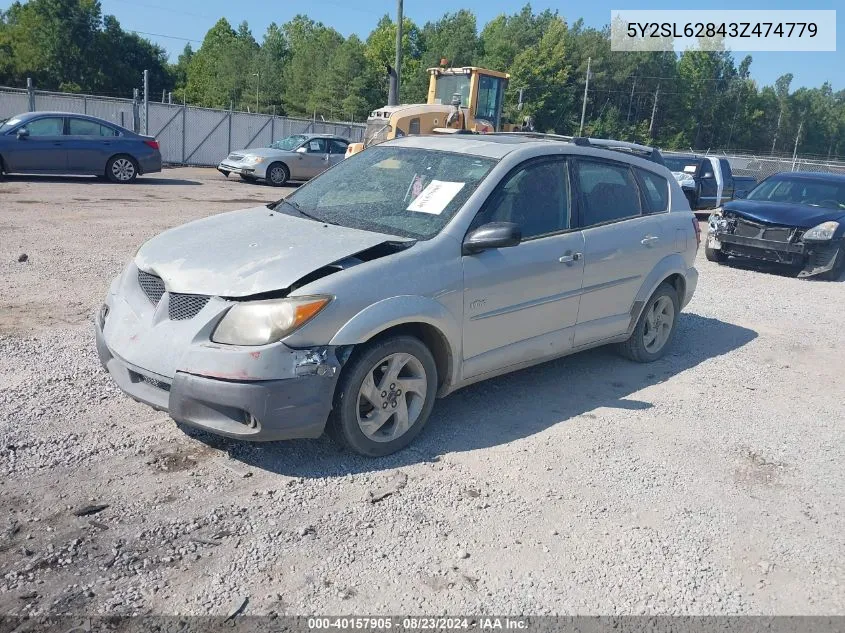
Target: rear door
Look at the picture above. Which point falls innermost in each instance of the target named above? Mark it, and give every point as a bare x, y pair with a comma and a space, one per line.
621, 246
337, 151
521, 302
43, 151
89, 145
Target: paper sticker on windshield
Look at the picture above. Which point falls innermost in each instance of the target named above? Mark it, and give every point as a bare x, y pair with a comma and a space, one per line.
690, 169
435, 197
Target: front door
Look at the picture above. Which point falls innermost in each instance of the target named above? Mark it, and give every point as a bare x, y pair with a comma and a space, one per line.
521, 302
43, 151
621, 246
313, 161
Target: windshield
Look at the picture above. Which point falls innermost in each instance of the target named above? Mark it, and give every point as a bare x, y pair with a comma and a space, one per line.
289, 143
688, 165
808, 191
8, 124
376, 132
401, 191
448, 85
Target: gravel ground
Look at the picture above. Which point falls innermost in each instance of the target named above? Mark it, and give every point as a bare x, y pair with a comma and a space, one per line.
710, 482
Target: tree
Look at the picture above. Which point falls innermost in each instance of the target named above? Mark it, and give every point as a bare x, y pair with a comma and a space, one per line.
380, 51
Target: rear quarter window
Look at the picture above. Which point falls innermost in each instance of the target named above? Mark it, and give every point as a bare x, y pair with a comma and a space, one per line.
654, 191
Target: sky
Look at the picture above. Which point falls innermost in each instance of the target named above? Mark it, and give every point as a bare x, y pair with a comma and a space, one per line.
175, 22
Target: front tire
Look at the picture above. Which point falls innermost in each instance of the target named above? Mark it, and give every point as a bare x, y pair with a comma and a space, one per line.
715, 255
122, 169
384, 397
277, 174
655, 328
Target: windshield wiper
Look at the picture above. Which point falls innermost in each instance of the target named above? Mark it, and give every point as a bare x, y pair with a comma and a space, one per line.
295, 205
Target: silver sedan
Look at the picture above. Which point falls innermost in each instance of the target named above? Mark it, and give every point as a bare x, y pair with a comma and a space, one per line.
297, 157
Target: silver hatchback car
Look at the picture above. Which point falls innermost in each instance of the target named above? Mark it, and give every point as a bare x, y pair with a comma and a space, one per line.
410, 270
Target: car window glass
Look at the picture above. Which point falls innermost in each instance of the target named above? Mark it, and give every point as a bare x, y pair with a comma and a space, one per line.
655, 191
83, 127
402, 191
46, 127
414, 126
607, 191
535, 196
337, 147
316, 145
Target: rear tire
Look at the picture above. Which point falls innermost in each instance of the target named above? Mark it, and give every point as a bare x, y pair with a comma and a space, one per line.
122, 169
384, 396
277, 174
655, 328
715, 255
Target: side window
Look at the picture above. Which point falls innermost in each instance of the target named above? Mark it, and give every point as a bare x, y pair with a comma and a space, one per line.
654, 190
535, 196
83, 127
316, 146
46, 127
337, 147
414, 126
607, 191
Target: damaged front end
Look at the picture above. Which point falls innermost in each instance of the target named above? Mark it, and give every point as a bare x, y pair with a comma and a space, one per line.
737, 236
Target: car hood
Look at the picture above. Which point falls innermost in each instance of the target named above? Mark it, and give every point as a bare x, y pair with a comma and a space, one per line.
783, 213
266, 152
248, 252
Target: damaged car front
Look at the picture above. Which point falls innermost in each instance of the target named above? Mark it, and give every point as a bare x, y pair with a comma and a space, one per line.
239, 323
796, 219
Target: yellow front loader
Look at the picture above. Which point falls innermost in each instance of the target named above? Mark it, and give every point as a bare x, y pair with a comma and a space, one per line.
467, 98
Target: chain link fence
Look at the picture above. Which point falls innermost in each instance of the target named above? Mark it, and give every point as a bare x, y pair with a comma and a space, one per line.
187, 135
760, 167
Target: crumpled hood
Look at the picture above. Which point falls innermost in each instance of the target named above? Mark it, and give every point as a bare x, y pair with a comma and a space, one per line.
247, 252
783, 213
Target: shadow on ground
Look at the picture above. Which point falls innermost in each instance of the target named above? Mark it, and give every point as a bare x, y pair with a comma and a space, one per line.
141, 180
770, 268
507, 408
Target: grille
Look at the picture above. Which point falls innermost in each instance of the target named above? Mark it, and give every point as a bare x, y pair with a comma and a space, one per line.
780, 234
153, 382
747, 229
184, 307
152, 286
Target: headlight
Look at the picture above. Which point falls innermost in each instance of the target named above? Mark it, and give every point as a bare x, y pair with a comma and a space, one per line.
262, 322
253, 160
823, 231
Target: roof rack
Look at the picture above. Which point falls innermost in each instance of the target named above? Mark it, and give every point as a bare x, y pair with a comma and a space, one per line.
649, 153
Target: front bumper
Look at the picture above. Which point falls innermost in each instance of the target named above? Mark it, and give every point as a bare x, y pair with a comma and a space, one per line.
290, 407
814, 258
254, 170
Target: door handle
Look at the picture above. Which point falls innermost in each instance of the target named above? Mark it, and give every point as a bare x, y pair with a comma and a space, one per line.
568, 259
648, 239
57, 143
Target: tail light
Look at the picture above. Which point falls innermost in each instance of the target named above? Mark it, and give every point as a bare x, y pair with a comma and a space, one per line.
153, 143
697, 228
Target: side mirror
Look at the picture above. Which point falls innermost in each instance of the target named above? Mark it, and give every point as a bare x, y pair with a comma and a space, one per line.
492, 235
708, 174
301, 150
23, 133
742, 193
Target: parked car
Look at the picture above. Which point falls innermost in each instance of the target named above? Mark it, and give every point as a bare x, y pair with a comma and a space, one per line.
76, 144
708, 181
789, 218
410, 270
297, 157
